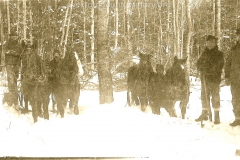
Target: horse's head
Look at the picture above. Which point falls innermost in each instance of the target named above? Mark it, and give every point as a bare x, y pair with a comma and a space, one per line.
160, 68
176, 74
179, 64
145, 66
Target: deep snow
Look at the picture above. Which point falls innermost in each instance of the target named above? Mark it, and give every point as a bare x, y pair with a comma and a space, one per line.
112, 130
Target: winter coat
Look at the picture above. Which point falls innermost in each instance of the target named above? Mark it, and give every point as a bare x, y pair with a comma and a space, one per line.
13, 50
232, 67
210, 64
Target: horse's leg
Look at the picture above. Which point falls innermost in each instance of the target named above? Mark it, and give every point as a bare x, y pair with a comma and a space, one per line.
26, 102
170, 108
134, 99
54, 102
76, 94
45, 107
35, 112
143, 101
183, 107
21, 97
25, 99
60, 106
39, 108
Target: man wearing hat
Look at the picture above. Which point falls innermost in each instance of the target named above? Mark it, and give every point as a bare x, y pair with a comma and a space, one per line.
54, 66
232, 77
210, 65
13, 50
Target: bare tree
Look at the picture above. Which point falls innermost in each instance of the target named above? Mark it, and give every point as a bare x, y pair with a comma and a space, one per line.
2, 39
116, 25
104, 67
24, 20
8, 18
129, 34
92, 36
188, 33
218, 21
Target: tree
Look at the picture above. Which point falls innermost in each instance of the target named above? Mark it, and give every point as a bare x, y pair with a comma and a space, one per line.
188, 38
218, 21
92, 36
104, 74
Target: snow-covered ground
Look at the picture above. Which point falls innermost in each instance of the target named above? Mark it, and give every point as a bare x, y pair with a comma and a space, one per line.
113, 130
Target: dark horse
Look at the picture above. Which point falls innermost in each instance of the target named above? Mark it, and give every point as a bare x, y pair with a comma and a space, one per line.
137, 82
178, 85
166, 90
35, 84
68, 86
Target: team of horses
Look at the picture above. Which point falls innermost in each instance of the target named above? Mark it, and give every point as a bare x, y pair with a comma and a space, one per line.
146, 85
149, 86
36, 85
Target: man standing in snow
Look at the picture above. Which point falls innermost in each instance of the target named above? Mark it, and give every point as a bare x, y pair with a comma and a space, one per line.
210, 65
54, 67
12, 61
232, 77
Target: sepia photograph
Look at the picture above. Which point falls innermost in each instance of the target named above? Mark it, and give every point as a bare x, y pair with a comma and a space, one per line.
120, 79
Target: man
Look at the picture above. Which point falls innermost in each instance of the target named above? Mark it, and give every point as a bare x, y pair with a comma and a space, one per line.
12, 61
54, 66
210, 65
232, 77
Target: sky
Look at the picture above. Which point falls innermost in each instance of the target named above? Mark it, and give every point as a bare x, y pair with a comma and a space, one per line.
116, 130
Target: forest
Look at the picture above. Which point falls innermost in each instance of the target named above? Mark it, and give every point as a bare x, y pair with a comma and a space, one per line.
108, 34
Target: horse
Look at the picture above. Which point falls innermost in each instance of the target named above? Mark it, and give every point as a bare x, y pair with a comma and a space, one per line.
35, 85
137, 82
166, 90
177, 85
68, 86
157, 89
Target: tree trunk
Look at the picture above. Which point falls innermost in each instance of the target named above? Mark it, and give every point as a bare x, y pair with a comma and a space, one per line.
84, 34
2, 39
159, 46
144, 26
93, 36
104, 67
67, 30
8, 18
177, 31
129, 34
64, 24
214, 17
218, 21
116, 26
188, 33
31, 23
174, 28
182, 29
24, 20
18, 20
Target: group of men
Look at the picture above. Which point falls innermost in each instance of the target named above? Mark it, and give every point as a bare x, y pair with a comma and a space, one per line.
210, 65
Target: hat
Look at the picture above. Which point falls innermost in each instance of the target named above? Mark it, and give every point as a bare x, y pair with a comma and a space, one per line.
56, 51
238, 31
211, 37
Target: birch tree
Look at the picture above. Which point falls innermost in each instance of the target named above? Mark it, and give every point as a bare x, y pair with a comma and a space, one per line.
116, 25
188, 33
218, 21
92, 36
24, 20
8, 18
